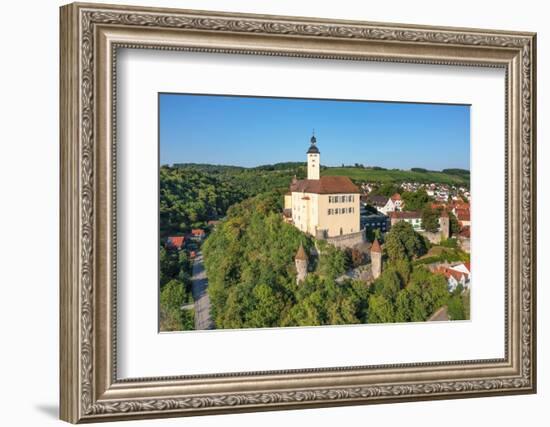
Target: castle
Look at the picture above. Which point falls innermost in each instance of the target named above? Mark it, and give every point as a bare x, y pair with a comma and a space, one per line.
323, 206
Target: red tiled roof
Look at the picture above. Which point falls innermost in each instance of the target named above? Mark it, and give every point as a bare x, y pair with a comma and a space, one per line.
405, 215
449, 272
197, 232
301, 254
375, 246
396, 196
175, 241
377, 200
325, 185
465, 232
463, 214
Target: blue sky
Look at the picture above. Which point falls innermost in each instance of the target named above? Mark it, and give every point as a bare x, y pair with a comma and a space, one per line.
252, 131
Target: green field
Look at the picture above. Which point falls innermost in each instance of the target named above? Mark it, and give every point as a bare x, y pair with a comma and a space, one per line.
374, 175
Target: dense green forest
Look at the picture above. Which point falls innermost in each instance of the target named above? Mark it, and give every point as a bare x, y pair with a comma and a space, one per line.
175, 290
249, 259
192, 194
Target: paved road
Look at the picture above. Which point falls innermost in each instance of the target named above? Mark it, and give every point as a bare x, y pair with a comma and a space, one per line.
202, 301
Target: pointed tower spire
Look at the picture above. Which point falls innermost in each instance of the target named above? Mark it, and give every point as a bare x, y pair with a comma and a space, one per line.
301, 253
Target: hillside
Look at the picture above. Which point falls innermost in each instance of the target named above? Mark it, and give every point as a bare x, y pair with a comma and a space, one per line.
284, 172
375, 175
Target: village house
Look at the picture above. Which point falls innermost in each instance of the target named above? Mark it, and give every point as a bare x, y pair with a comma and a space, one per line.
175, 242
377, 201
458, 274
197, 234
393, 204
322, 206
412, 217
463, 216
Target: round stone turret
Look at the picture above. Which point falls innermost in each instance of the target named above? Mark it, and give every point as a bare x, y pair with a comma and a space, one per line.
376, 259
301, 261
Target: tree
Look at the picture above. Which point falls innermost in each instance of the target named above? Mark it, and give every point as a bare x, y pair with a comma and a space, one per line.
387, 189
454, 224
455, 308
456, 304
415, 200
430, 219
402, 242
466, 304
403, 305
332, 262
172, 295
380, 310
388, 285
169, 265
356, 257
428, 293
172, 317
267, 307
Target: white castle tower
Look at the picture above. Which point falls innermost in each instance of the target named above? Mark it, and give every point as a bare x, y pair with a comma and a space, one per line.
313, 160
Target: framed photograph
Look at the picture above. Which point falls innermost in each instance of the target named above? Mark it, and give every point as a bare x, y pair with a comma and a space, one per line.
266, 213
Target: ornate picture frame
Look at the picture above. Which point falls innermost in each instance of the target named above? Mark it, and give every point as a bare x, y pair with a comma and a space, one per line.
90, 37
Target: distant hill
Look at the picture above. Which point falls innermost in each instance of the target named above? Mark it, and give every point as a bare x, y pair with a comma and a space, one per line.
281, 166
371, 174
459, 176
206, 167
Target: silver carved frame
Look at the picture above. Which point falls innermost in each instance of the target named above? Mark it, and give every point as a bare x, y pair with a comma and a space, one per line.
90, 36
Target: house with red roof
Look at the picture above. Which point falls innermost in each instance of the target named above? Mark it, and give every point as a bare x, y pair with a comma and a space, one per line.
458, 274
463, 216
175, 242
198, 234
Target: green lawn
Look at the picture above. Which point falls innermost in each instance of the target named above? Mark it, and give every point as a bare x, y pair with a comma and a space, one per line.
373, 175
